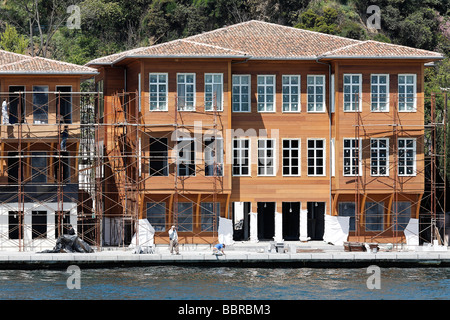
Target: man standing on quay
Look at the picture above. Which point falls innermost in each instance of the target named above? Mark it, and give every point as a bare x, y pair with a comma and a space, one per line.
173, 237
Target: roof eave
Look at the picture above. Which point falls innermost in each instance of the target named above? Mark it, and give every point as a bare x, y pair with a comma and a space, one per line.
384, 57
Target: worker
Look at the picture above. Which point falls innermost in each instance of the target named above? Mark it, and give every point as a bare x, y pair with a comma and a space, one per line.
173, 240
218, 249
5, 114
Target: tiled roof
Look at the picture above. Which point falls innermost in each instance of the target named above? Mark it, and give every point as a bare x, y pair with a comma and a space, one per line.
375, 49
13, 63
267, 41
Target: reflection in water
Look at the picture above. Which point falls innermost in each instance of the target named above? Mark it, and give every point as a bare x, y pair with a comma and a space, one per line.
194, 283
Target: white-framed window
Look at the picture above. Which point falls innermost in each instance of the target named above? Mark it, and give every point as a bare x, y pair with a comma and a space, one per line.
407, 92
241, 92
241, 157
213, 157
158, 91
266, 157
316, 157
352, 92
213, 91
406, 157
316, 93
266, 93
291, 93
186, 156
379, 157
291, 157
352, 157
186, 91
379, 92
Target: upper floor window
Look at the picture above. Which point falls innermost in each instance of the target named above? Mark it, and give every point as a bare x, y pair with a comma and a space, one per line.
352, 157
291, 93
266, 93
266, 157
316, 93
213, 91
40, 104
291, 157
379, 157
241, 157
407, 92
186, 157
158, 91
213, 157
406, 157
379, 88
186, 91
241, 93
352, 92
316, 157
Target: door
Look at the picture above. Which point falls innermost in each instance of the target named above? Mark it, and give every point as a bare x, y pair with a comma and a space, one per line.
266, 220
316, 220
291, 221
241, 221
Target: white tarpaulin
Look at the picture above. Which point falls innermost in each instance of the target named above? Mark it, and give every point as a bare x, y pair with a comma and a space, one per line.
225, 231
336, 229
146, 234
412, 232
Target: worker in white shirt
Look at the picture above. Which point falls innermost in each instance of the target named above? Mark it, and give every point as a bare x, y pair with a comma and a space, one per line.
173, 237
5, 114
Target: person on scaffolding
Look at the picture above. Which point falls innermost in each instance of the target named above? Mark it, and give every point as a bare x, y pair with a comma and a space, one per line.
218, 249
64, 136
173, 238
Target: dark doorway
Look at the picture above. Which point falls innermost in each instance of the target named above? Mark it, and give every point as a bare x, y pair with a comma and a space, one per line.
16, 104
266, 220
241, 222
316, 220
291, 221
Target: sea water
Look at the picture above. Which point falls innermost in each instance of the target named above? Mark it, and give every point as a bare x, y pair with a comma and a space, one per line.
200, 283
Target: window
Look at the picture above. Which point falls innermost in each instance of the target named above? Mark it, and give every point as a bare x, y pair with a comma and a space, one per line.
347, 209
209, 212
213, 91
16, 103
379, 157
316, 93
38, 224
39, 167
186, 91
62, 163
100, 102
15, 225
186, 157
316, 157
241, 157
156, 215
65, 103
406, 157
185, 213
158, 91
266, 154
266, 93
352, 92
379, 88
403, 211
40, 104
407, 92
241, 93
158, 157
291, 157
291, 93
374, 216
13, 167
352, 157
213, 157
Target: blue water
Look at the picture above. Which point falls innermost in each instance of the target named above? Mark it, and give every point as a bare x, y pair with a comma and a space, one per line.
192, 283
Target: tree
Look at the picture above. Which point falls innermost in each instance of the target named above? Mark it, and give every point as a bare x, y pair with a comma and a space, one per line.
11, 40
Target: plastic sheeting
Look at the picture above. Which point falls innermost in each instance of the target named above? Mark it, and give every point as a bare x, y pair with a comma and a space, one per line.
336, 229
146, 234
70, 243
225, 231
412, 232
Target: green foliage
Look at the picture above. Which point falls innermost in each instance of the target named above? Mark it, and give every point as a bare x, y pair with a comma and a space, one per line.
11, 40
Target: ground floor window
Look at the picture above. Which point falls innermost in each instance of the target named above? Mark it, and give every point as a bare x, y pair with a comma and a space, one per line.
38, 224
374, 216
347, 209
15, 225
210, 212
402, 209
156, 215
185, 214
